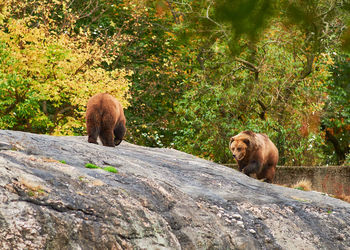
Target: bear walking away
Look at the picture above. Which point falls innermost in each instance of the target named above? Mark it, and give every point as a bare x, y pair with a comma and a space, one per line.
255, 154
105, 119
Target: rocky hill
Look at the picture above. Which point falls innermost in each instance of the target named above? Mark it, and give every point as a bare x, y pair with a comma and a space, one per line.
158, 199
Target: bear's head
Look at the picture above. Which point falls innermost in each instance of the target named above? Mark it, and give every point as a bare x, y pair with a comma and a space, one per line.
239, 146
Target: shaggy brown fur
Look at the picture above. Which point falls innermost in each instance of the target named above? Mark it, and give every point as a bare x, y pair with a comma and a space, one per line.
105, 118
255, 154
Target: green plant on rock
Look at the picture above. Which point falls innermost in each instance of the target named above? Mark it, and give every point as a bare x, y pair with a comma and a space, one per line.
110, 169
90, 165
107, 168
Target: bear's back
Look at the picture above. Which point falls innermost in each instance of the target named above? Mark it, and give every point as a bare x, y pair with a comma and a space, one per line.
104, 102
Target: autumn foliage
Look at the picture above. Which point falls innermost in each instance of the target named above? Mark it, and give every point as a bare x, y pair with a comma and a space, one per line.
190, 74
47, 74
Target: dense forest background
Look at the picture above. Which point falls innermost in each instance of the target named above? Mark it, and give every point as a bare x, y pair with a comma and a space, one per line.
190, 74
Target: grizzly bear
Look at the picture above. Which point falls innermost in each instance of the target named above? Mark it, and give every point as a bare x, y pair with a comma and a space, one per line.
105, 118
255, 154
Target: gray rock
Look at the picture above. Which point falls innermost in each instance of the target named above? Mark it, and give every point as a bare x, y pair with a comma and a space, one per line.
159, 199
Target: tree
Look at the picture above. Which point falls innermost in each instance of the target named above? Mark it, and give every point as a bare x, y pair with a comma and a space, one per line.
335, 121
202, 71
47, 76
274, 83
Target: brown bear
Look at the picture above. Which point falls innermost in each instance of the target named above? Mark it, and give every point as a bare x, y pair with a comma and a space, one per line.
255, 154
105, 118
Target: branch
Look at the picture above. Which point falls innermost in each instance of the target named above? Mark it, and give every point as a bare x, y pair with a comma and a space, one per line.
322, 15
250, 66
176, 19
200, 58
63, 110
337, 148
83, 15
308, 68
216, 23
87, 62
264, 109
231, 73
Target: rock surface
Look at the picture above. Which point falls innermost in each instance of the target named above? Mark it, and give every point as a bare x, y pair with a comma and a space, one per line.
159, 199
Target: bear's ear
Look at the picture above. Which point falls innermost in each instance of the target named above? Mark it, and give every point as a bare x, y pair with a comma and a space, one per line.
247, 142
232, 139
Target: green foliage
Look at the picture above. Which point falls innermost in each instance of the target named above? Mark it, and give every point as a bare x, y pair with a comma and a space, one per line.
336, 113
247, 17
63, 161
144, 41
157, 63
277, 85
258, 98
46, 77
202, 72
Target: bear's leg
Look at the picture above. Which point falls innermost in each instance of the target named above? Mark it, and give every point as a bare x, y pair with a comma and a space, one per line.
119, 132
252, 167
267, 173
240, 167
270, 173
92, 139
93, 132
106, 136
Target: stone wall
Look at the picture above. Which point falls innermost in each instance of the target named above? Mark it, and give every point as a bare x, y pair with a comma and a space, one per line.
328, 179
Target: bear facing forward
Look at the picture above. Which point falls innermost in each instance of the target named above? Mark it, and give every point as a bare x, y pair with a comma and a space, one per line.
105, 119
255, 154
